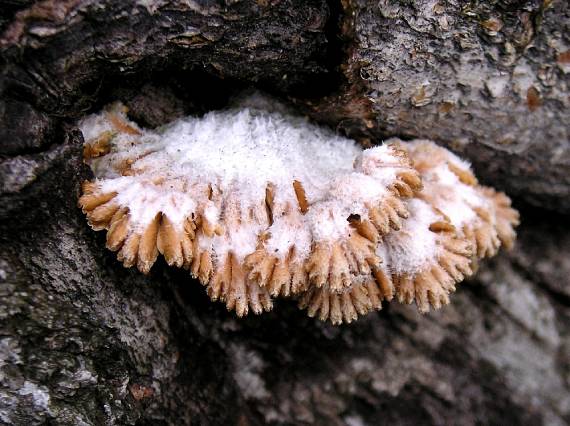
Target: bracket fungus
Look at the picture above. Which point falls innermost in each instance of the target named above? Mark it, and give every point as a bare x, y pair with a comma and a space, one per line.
258, 203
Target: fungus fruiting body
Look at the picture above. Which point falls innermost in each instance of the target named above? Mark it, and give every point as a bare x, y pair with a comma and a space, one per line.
258, 203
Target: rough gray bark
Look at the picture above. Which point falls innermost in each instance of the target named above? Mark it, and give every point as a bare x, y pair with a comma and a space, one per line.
85, 341
489, 79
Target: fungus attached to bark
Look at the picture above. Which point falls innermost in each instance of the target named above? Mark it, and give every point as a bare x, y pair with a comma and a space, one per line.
258, 203
255, 203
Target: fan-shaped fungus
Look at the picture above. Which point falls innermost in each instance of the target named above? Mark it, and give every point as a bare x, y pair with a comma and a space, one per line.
258, 203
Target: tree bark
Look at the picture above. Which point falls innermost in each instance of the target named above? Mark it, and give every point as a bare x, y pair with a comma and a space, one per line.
488, 79
85, 341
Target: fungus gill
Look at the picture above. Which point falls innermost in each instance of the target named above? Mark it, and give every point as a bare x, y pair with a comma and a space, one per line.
258, 203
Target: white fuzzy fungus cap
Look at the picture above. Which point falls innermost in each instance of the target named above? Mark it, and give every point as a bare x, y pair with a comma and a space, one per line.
259, 203
255, 203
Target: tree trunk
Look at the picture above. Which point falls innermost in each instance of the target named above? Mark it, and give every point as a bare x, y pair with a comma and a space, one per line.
85, 341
